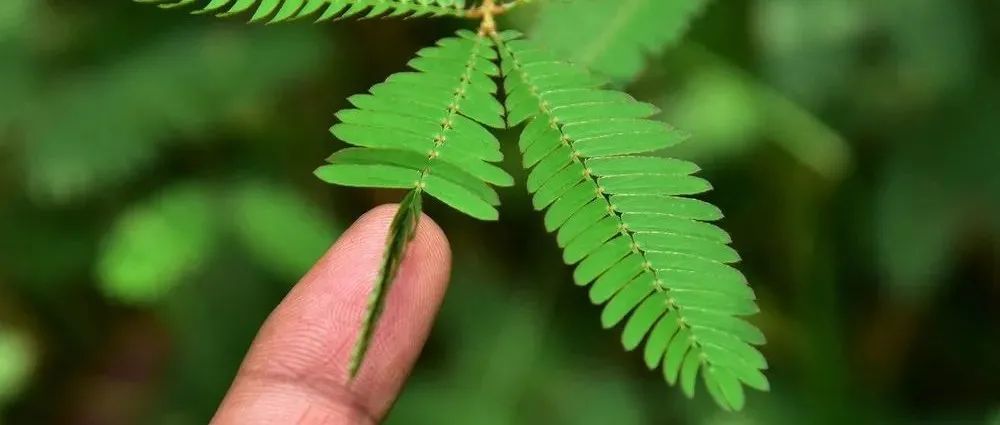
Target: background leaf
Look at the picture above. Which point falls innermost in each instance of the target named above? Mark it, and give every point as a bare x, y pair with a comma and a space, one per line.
17, 360
614, 37
729, 111
68, 136
158, 244
284, 230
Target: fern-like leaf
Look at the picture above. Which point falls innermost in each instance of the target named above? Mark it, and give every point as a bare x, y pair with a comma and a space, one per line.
614, 37
423, 131
647, 250
272, 11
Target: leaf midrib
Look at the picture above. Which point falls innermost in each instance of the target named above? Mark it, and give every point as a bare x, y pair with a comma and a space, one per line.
466, 81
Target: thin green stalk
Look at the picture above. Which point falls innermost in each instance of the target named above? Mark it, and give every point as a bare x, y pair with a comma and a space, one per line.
401, 232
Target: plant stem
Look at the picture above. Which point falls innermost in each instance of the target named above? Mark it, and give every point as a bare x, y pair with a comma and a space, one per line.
401, 232
489, 10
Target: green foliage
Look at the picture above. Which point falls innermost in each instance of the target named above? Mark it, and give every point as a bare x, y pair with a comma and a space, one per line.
627, 223
284, 231
15, 77
922, 185
730, 111
622, 216
167, 239
614, 37
17, 359
877, 287
158, 244
272, 11
13, 14
401, 231
801, 42
424, 130
909, 250
195, 69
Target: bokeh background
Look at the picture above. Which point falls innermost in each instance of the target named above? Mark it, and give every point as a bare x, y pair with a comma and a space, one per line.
156, 201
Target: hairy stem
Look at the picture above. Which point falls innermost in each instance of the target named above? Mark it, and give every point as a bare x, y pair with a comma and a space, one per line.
488, 11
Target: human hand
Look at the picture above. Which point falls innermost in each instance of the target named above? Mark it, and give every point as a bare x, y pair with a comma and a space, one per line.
297, 369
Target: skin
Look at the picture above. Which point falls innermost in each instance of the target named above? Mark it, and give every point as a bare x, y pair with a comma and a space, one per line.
296, 370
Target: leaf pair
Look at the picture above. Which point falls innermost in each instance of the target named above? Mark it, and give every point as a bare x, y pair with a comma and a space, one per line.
622, 216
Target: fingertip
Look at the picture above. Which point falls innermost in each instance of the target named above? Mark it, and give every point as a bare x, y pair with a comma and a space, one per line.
430, 241
305, 345
412, 303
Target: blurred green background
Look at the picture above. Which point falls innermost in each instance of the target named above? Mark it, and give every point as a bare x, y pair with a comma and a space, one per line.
156, 201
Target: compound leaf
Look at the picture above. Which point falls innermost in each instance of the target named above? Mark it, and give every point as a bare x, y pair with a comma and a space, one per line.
423, 130
623, 216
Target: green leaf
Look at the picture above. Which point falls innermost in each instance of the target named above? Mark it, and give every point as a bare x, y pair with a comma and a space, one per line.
679, 243
424, 130
689, 373
642, 320
602, 259
580, 221
415, 161
459, 198
638, 184
644, 223
590, 240
285, 231
106, 126
369, 175
273, 11
642, 165
659, 339
671, 206
626, 300
614, 37
571, 202
673, 359
17, 362
627, 222
729, 387
559, 184
615, 278
157, 244
553, 162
